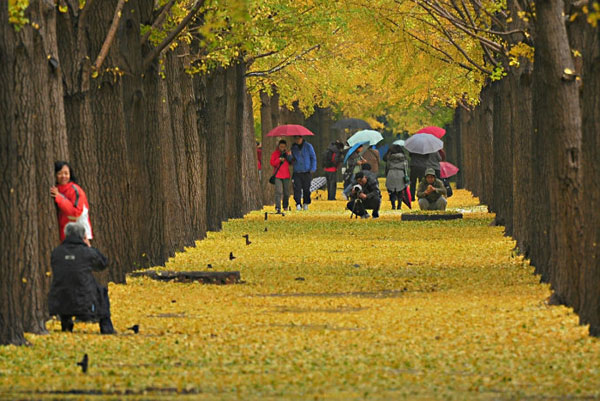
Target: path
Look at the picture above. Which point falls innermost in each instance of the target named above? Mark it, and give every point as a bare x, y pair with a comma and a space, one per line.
332, 308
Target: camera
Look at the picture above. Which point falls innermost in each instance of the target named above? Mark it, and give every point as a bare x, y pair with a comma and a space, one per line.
356, 190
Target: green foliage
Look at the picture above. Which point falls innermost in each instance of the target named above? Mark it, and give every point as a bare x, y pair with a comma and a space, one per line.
16, 13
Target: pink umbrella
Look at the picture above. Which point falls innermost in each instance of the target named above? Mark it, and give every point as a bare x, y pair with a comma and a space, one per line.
435, 131
289, 130
447, 169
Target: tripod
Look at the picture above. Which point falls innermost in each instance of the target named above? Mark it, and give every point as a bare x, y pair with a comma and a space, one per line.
356, 202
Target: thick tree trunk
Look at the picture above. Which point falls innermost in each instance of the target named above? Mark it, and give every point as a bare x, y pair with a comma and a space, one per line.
32, 135
189, 156
215, 150
589, 309
557, 126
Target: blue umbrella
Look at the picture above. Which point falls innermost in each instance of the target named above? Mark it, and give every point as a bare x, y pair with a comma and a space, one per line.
353, 149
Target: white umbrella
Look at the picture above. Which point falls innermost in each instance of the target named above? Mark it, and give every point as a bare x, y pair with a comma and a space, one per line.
423, 144
399, 142
367, 135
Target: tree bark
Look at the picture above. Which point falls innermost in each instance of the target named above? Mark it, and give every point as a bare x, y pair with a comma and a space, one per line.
557, 128
589, 309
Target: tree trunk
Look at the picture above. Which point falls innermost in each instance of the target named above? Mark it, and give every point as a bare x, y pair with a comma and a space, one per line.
557, 127
590, 293
502, 185
522, 164
268, 121
215, 150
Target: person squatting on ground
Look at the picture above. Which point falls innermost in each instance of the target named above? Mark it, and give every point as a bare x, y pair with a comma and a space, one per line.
333, 160
305, 164
395, 168
431, 192
74, 290
365, 195
280, 160
418, 164
70, 199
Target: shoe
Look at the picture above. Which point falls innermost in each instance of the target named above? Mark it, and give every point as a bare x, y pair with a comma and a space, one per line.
298, 207
305, 207
375, 216
277, 210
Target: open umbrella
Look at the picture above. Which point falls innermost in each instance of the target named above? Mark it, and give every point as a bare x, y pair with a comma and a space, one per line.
435, 131
423, 144
353, 149
351, 123
399, 142
366, 135
290, 130
447, 169
317, 183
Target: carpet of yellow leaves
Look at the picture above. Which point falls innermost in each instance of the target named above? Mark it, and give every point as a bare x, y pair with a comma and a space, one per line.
331, 308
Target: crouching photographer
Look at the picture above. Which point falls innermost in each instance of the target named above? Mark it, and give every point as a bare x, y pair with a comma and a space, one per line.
365, 195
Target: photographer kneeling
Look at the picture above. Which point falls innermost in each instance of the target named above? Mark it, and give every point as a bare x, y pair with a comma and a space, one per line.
364, 195
74, 290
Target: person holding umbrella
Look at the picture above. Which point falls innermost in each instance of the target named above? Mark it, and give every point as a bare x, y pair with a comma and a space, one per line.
304, 163
280, 160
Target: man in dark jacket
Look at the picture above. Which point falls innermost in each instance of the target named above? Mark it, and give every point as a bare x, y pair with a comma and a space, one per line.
367, 197
74, 290
305, 164
333, 159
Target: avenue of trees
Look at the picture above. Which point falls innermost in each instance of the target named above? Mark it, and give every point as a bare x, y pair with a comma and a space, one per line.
154, 103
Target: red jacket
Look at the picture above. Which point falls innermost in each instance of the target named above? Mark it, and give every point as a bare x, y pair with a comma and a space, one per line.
72, 206
284, 170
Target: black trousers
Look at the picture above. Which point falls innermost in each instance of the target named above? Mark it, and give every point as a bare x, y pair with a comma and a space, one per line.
105, 322
302, 188
359, 208
331, 184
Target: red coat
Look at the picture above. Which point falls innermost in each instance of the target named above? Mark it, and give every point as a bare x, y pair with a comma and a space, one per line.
72, 206
284, 170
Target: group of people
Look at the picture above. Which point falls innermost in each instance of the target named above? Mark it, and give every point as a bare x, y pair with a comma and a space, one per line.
74, 291
301, 156
361, 187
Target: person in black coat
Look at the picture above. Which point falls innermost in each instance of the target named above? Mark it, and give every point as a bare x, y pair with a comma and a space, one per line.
74, 290
367, 196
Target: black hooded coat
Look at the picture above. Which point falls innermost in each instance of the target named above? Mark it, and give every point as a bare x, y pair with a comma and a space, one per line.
74, 290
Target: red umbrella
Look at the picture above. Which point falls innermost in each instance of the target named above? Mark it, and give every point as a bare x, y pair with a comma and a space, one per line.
290, 130
447, 169
406, 197
435, 131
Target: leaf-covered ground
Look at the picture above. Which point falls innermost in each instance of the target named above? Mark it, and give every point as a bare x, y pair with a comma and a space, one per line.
331, 308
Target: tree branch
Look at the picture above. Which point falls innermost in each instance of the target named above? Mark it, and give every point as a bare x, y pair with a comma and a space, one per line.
159, 20
171, 36
281, 65
110, 36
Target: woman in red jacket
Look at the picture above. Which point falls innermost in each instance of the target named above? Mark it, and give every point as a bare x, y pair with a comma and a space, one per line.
70, 200
280, 160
